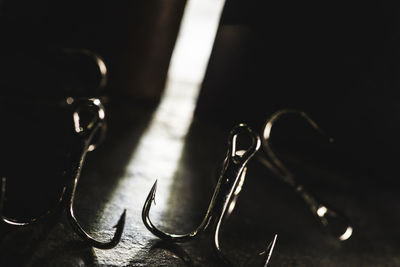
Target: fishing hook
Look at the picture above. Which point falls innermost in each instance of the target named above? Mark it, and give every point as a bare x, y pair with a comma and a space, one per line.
221, 201
89, 134
86, 134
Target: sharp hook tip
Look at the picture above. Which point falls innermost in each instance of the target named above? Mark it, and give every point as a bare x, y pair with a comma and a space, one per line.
123, 215
268, 251
121, 221
153, 192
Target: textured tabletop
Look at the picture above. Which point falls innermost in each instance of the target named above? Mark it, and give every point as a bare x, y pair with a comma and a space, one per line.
142, 147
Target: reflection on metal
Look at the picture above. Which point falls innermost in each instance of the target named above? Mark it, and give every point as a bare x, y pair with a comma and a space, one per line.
103, 69
269, 250
337, 224
228, 183
76, 122
87, 135
87, 139
238, 189
321, 211
347, 234
69, 100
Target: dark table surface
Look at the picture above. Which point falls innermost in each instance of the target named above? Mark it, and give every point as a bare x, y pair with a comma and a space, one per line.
142, 146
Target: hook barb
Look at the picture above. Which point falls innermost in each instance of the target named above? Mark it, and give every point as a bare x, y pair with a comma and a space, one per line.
90, 240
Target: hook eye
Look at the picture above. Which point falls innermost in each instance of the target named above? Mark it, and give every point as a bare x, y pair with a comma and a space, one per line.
240, 155
89, 116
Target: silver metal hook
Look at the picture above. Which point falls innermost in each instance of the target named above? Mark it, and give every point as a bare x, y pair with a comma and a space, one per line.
269, 250
334, 222
223, 196
90, 134
87, 133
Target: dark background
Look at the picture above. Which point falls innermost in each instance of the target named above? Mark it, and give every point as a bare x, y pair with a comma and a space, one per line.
135, 39
338, 62
38, 71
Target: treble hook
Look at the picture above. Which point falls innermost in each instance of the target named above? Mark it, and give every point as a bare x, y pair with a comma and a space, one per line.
334, 222
224, 193
89, 131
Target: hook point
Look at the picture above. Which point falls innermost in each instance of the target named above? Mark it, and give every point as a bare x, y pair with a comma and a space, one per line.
153, 192
121, 221
269, 250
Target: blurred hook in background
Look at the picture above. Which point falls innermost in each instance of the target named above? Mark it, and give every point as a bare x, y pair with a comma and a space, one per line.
337, 224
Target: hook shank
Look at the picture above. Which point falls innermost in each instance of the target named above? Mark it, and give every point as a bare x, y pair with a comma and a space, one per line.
86, 136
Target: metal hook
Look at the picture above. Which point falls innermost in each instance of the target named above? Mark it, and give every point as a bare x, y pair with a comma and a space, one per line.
224, 192
87, 132
90, 133
334, 222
